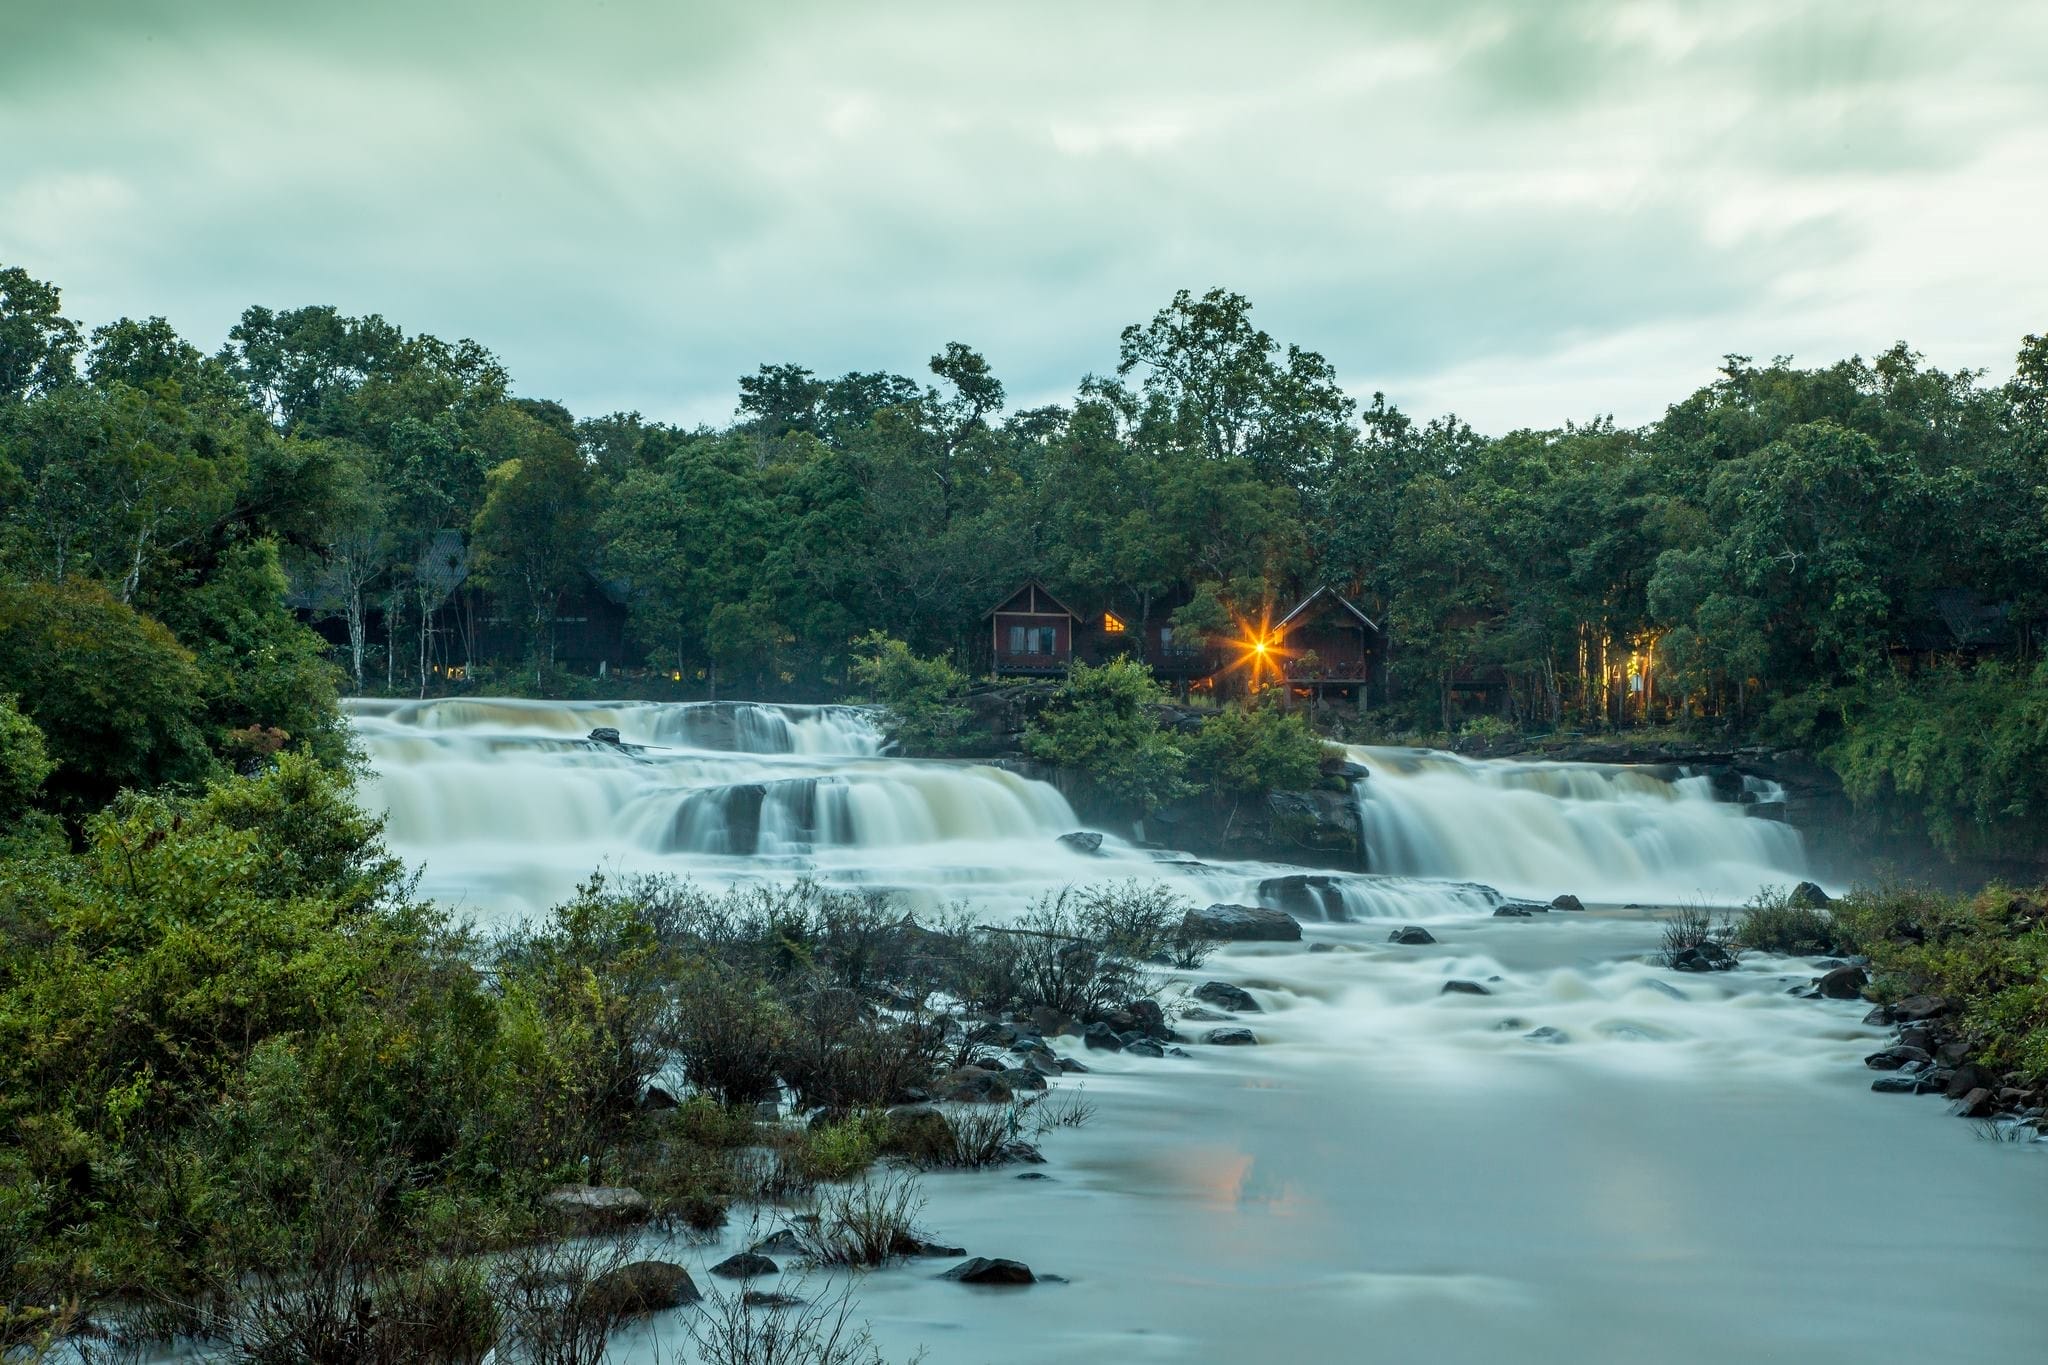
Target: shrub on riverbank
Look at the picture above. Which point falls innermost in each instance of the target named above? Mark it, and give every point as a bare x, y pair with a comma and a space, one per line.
1984, 956
1776, 922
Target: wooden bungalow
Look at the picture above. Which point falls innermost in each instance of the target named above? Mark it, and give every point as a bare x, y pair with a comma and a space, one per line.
1031, 632
1328, 650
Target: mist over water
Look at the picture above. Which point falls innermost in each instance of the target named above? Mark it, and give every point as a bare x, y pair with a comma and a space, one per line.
1598, 1160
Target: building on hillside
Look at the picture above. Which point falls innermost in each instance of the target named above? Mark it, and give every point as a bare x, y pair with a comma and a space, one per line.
1327, 650
1031, 633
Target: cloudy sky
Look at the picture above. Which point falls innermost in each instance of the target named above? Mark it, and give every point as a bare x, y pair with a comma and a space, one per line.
1521, 210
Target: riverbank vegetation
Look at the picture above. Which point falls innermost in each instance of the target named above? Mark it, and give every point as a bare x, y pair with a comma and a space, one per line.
251, 1088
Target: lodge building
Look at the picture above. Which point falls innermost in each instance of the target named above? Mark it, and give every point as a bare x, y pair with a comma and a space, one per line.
1325, 649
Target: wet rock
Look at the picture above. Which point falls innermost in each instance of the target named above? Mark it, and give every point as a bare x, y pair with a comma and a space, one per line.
1968, 1078
1896, 1085
1083, 841
598, 1203
1100, 1037
1843, 983
1032, 1175
1223, 995
1411, 936
1144, 1047
1513, 912
1201, 1014
1322, 947
1018, 1150
903, 1244
1230, 1037
992, 1271
1703, 957
1145, 1016
1241, 924
1045, 1064
1881, 1015
768, 1298
1511, 1024
1892, 1058
604, 734
1050, 1023
1463, 988
1567, 902
1306, 895
1546, 1034
1952, 1055
916, 1128
1807, 896
782, 1242
1022, 1078
642, 1287
974, 1085
1977, 1104
1915, 1008
1073, 1066
1178, 1052
745, 1266
1919, 1036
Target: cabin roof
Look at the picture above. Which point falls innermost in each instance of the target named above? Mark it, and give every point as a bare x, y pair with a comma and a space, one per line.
1303, 608
1043, 596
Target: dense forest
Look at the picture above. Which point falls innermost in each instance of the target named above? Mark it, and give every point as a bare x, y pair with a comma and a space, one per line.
1852, 558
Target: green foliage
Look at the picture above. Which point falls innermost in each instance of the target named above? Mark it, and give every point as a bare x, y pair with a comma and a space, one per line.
1243, 750
921, 695
1774, 923
1986, 953
24, 763
1103, 725
117, 698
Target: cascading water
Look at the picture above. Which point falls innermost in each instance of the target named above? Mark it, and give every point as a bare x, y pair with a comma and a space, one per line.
509, 804
1603, 832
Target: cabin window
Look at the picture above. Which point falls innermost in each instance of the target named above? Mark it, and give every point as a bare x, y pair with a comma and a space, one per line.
1033, 640
1112, 624
1165, 637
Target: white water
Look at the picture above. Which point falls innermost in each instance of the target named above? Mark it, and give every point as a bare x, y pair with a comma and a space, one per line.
1696, 1173
1605, 833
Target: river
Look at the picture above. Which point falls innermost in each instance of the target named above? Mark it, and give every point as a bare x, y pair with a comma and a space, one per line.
1684, 1169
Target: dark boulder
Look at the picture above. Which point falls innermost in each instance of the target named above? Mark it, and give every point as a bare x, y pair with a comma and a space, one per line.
604, 734
783, 1242
1896, 1085
1514, 912
1100, 1037
1546, 1034
1844, 983
974, 1085
1230, 1037
1241, 924
1223, 995
1021, 1078
745, 1266
1892, 1058
903, 1244
1567, 902
1144, 1047
1977, 1104
1083, 841
1703, 957
991, 1270
1463, 988
1968, 1078
1411, 935
641, 1287
1915, 1008
1807, 896
916, 1128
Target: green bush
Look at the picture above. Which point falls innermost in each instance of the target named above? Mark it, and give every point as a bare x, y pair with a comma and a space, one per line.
1772, 923
1103, 725
922, 695
1245, 750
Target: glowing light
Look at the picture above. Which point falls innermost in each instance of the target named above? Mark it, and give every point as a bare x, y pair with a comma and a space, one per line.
1259, 650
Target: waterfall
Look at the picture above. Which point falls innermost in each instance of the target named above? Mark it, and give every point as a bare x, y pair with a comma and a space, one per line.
1602, 832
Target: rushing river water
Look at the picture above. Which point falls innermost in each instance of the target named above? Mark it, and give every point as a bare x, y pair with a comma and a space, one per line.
1684, 1169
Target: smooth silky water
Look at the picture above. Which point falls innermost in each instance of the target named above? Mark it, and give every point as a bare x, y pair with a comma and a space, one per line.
1698, 1172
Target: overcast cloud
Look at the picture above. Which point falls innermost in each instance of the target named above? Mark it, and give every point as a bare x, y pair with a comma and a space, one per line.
1521, 211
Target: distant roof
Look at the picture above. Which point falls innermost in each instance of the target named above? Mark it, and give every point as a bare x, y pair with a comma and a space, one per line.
1971, 619
1303, 606
1033, 586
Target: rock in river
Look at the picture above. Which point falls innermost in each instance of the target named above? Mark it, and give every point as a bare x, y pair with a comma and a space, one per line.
1411, 935
1242, 924
1230, 1037
1567, 902
991, 1270
642, 1287
1464, 988
745, 1266
1704, 957
1223, 995
1083, 841
1843, 983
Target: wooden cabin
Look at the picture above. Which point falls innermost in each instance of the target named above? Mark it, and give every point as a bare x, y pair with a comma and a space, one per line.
1031, 632
1329, 649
